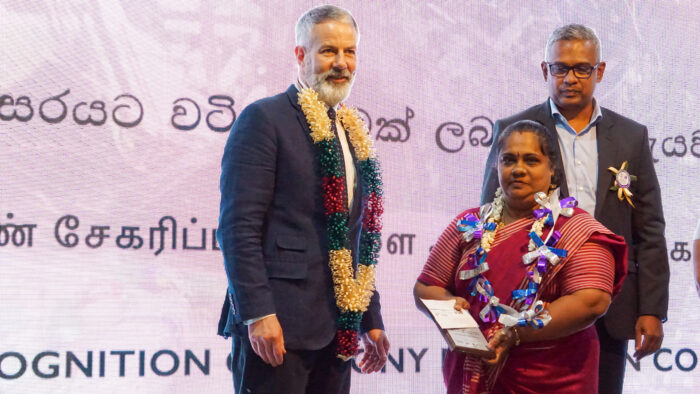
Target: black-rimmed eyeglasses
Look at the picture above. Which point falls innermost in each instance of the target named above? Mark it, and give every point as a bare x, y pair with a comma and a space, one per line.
581, 70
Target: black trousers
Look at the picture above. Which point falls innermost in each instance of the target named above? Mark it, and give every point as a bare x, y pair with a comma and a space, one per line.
303, 371
613, 357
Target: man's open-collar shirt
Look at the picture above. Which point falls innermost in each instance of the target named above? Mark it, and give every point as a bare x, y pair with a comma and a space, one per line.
579, 152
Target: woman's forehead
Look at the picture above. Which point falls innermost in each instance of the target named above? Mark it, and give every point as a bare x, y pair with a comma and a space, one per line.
522, 141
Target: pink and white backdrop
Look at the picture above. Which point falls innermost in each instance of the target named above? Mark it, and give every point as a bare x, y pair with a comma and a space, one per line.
114, 115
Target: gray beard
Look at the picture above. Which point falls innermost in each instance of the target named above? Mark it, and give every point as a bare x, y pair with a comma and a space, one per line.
330, 93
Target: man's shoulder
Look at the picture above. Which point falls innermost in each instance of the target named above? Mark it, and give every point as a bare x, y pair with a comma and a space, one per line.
620, 121
265, 114
270, 103
528, 114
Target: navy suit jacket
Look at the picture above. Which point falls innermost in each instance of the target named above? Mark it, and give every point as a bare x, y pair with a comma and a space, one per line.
645, 290
272, 227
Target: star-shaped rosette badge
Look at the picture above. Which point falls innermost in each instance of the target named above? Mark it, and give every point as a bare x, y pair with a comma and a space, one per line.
623, 180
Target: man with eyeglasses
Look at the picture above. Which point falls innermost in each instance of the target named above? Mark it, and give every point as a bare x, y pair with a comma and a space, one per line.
594, 141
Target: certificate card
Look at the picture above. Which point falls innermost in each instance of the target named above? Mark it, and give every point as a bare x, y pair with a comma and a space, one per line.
468, 340
446, 316
460, 330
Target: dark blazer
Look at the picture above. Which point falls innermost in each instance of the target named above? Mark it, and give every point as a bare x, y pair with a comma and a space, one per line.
645, 290
272, 227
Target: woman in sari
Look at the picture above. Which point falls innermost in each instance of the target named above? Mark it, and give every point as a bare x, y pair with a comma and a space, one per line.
535, 273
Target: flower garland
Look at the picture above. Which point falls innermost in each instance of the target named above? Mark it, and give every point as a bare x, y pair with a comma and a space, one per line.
531, 313
352, 292
496, 217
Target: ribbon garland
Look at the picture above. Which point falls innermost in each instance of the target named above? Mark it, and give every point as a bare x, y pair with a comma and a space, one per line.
545, 211
353, 291
493, 308
543, 254
477, 265
567, 206
527, 294
473, 228
532, 313
536, 316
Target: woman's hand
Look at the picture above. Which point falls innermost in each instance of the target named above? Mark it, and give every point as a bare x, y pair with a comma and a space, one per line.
461, 303
500, 343
421, 290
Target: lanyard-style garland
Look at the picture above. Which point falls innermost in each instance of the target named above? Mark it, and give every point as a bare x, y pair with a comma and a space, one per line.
532, 312
352, 293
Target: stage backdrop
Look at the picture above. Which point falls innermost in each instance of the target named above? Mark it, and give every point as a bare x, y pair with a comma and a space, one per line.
113, 119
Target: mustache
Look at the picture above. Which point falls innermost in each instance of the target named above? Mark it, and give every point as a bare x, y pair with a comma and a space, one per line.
337, 74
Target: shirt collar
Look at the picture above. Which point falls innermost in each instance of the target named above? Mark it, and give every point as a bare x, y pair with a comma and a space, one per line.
561, 120
299, 84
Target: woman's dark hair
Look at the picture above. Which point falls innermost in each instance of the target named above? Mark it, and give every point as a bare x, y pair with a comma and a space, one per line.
548, 145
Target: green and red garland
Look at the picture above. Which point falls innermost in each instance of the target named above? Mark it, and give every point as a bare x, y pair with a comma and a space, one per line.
352, 291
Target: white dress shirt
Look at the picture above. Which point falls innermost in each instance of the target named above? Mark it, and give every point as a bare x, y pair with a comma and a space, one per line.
579, 152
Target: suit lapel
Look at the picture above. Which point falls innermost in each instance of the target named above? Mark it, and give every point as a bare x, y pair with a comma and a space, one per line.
544, 116
294, 101
607, 154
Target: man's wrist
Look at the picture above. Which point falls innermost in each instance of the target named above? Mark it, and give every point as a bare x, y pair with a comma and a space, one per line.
660, 318
257, 319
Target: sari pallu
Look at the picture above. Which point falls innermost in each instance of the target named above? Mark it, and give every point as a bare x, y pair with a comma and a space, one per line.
568, 364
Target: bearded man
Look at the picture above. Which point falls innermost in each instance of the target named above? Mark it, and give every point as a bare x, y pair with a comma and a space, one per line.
300, 191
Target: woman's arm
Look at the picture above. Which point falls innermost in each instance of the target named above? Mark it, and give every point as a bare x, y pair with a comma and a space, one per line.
440, 269
421, 290
587, 282
570, 313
